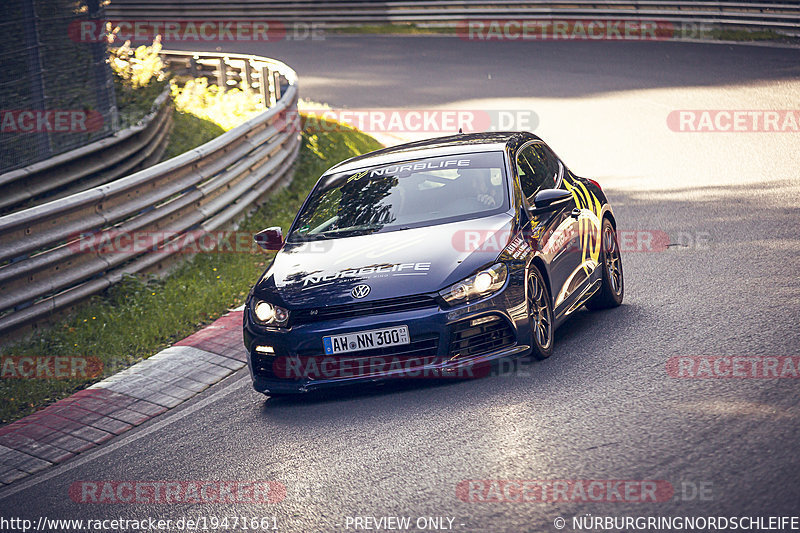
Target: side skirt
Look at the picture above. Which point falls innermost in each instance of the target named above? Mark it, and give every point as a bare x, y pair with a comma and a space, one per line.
582, 297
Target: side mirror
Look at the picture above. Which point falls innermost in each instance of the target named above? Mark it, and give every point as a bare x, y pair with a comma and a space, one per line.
269, 239
550, 199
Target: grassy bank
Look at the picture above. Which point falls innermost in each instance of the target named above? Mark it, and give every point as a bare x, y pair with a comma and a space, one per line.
203, 112
752, 36
395, 29
715, 34
188, 132
136, 318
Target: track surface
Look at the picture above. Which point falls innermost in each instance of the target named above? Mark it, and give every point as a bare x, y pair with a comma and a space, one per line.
603, 407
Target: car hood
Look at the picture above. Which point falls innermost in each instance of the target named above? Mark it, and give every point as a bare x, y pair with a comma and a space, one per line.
393, 264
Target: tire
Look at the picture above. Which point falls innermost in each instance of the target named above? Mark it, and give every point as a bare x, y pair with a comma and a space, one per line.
612, 289
540, 314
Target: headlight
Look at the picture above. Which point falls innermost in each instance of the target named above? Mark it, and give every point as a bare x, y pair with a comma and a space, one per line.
270, 315
482, 284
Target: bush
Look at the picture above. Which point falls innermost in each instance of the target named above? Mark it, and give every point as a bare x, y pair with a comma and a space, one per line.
139, 78
227, 109
137, 68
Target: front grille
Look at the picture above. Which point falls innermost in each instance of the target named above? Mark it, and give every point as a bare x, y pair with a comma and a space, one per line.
467, 340
313, 364
377, 307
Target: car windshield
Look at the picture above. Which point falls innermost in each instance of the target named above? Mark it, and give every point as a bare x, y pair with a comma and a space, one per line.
410, 194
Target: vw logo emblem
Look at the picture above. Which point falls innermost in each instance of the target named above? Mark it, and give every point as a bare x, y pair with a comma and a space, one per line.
359, 291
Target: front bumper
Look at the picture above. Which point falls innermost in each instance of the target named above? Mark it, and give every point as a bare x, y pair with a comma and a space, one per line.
445, 343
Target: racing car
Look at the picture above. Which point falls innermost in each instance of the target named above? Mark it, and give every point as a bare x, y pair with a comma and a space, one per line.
430, 259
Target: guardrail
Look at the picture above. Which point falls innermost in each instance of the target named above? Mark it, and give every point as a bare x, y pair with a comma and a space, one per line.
229, 70
43, 266
94, 164
136, 147
757, 14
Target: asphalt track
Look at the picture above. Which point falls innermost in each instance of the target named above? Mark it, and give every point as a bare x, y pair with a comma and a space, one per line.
604, 406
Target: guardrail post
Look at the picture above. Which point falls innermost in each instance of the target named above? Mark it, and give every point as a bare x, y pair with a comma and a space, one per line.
222, 75
267, 87
248, 73
276, 82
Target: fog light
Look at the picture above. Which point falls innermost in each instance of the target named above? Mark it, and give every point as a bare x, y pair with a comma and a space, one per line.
483, 320
265, 349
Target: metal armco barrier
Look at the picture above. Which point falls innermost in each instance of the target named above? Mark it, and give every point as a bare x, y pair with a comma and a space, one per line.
230, 70
756, 14
94, 164
43, 268
139, 146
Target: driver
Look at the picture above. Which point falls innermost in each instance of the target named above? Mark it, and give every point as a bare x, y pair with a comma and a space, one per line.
479, 182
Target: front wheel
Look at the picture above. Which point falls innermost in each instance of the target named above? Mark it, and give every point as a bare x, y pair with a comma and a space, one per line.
613, 284
540, 313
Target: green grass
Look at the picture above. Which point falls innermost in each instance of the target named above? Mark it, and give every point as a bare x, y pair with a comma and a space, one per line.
751, 35
399, 28
189, 132
142, 315
134, 103
412, 29
202, 112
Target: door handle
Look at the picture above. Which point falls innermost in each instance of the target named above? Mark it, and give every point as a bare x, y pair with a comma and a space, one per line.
575, 213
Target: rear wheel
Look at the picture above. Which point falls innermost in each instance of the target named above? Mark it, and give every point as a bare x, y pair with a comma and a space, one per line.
613, 284
540, 313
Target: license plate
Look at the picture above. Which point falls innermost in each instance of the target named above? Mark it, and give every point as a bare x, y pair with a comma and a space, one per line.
365, 340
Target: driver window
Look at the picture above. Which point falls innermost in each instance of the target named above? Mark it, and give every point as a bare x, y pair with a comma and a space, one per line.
537, 169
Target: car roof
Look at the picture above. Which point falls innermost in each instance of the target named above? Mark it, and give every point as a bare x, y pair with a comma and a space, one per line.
439, 146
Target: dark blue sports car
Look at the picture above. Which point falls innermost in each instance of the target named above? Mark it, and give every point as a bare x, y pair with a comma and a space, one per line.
430, 259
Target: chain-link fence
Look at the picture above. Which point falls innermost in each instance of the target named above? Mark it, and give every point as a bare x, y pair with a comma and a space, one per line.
56, 91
